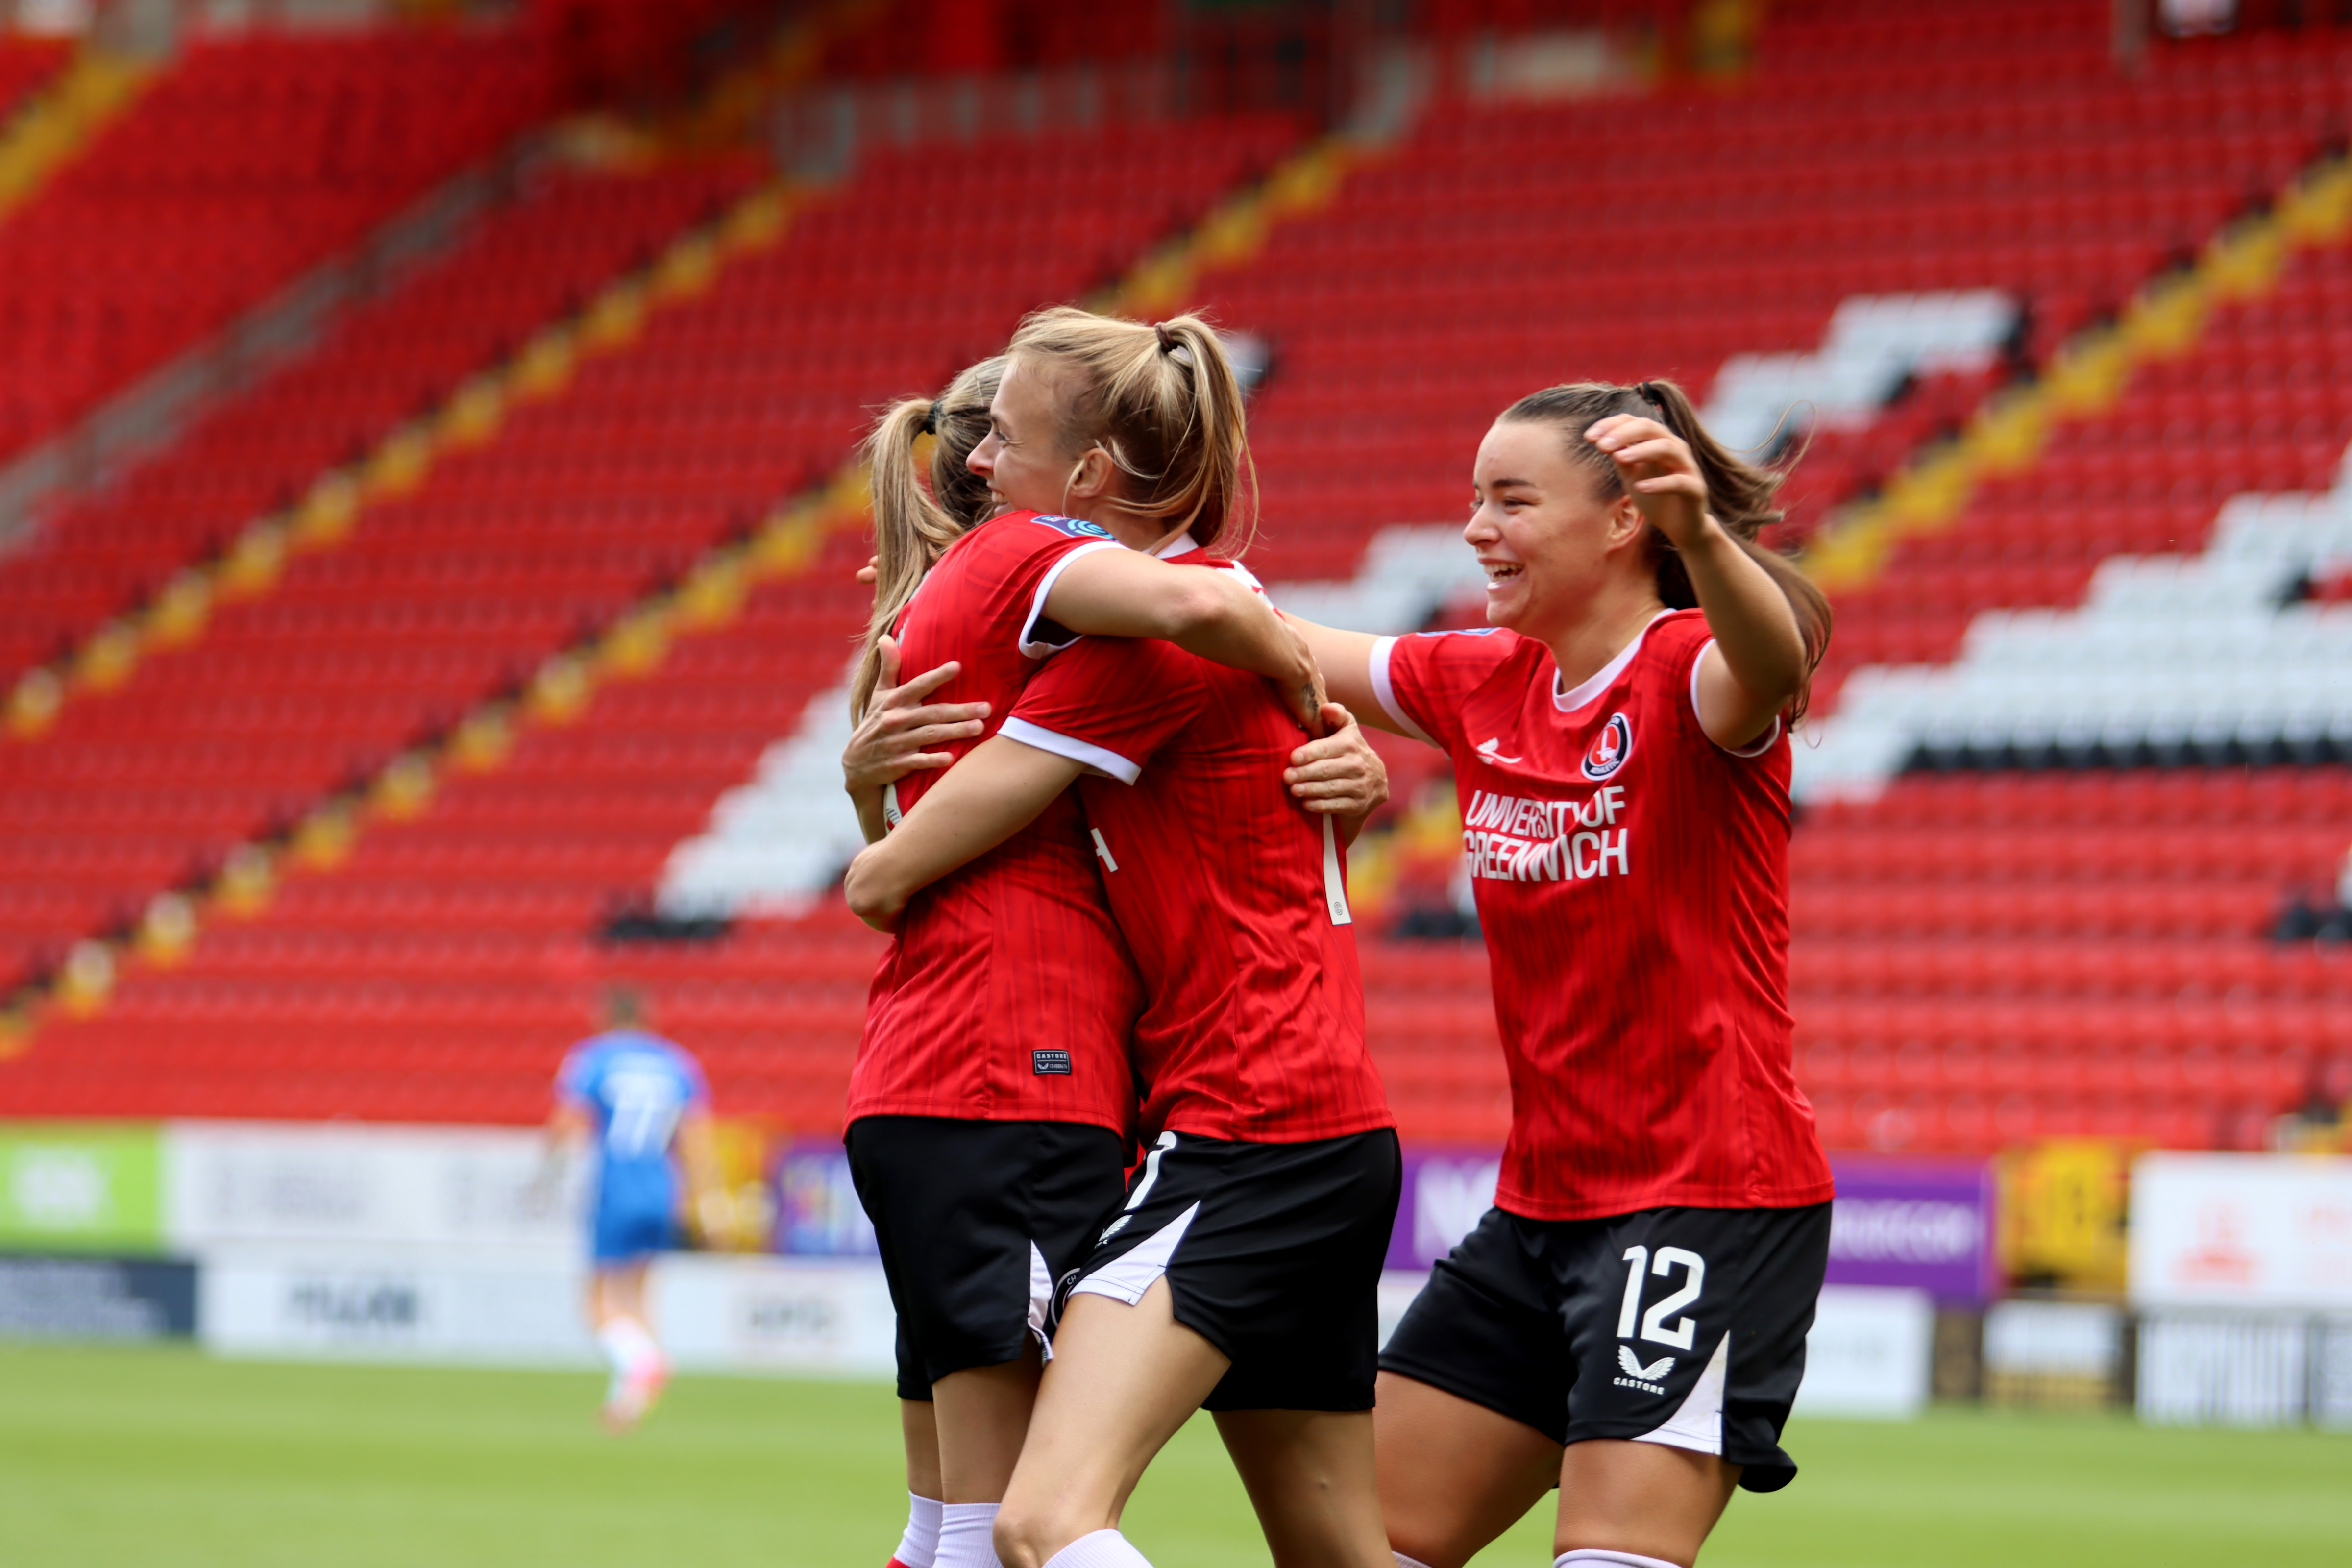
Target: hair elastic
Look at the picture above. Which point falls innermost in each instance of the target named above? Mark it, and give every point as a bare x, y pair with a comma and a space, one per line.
1656, 399
932, 420
1167, 339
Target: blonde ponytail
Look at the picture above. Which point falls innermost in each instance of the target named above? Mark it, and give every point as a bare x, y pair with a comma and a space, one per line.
914, 526
1740, 495
1163, 403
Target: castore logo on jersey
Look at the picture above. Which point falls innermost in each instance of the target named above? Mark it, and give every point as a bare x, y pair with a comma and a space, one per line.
1611, 749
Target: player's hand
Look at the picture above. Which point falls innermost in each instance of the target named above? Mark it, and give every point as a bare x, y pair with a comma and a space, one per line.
1657, 470
871, 573
892, 741
1341, 774
868, 887
1303, 692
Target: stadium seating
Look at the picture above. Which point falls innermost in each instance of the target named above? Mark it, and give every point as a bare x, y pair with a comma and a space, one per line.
146, 769
251, 159
723, 402
532, 263
1983, 953
26, 65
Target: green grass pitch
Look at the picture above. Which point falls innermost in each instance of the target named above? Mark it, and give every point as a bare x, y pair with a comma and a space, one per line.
164, 1459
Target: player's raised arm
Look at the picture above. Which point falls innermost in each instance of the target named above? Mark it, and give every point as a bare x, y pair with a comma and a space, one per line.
1759, 662
1345, 659
992, 794
1216, 614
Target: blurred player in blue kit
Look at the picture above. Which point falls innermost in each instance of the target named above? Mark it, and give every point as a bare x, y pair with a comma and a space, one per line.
642, 1100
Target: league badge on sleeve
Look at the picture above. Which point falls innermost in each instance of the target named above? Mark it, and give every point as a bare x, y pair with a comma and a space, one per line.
1075, 527
1610, 749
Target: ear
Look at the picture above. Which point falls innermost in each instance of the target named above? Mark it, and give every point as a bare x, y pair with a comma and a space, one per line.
1626, 523
1093, 477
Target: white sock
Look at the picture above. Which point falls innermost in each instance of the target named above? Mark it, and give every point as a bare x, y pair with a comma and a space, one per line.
920, 1546
1404, 1561
626, 1346
1103, 1549
967, 1536
1594, 1557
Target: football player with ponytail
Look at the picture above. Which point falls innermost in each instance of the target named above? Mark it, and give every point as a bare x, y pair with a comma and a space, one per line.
992, 1106
1628, 1322
1240, 1273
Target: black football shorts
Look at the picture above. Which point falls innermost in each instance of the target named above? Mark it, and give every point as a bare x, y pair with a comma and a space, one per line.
1680, 1326
976, 1220
1272, 1253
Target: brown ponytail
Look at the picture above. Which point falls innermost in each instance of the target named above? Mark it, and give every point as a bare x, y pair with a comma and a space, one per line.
1741, 494
913, 527
1163, 404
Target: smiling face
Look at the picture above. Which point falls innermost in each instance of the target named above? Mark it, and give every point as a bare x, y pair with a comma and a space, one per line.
1022, 457
1549, 538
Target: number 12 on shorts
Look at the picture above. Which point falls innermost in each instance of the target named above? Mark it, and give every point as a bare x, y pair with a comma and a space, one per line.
1655, 1323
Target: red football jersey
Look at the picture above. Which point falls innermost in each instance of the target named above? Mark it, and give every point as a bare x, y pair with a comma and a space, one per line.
1007, 993
1633, 884
1230, 893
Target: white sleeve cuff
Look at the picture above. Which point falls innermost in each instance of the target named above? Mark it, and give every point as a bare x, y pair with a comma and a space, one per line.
1755, 748
1031, 644
1383, 689
1076, 751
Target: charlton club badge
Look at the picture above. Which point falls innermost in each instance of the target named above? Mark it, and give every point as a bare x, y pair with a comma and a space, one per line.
1609, 748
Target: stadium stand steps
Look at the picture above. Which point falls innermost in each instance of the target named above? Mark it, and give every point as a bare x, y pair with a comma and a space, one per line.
652, 437
246, 162
1965, 974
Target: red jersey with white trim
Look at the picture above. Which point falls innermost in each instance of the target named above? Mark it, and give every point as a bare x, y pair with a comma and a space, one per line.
1632, 881
1231, 894
1007, 993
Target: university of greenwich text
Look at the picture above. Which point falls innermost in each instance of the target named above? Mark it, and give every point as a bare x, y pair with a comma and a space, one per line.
1510, 840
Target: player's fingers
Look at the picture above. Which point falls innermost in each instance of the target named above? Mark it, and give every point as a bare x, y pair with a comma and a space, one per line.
941, 734
1672, 484
869, 575
1622, 429
923, 685
1306, 706
913, 760
887, 652
1327, 767
904, 719
1667, 450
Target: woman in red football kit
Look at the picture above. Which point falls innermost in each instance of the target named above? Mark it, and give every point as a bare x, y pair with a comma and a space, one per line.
990, 1103
1628, 1322
1241, 1272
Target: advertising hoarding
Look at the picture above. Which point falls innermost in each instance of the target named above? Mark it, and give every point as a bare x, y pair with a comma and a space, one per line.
1915, 1224
245, 1184
75, 1187
2267, 1232
97, 1298
1905, 1225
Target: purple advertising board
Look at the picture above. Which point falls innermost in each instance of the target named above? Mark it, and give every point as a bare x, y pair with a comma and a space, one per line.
1445, 1191
817, 1211
1924, 1223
